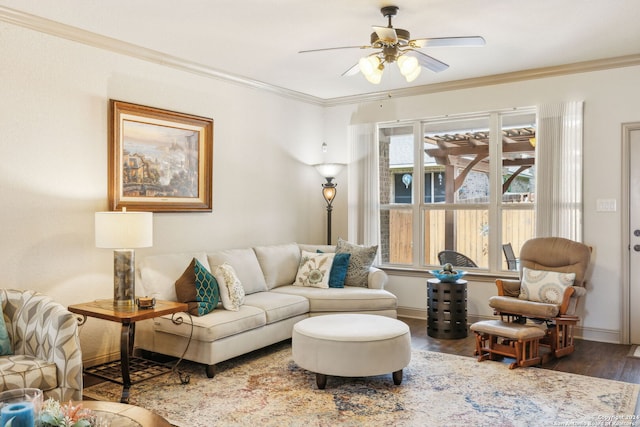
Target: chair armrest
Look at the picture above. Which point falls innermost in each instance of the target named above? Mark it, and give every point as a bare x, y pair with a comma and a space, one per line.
508, 288
44, 329
377, 278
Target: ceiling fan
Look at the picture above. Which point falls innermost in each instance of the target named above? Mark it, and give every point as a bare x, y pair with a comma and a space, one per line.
396, 45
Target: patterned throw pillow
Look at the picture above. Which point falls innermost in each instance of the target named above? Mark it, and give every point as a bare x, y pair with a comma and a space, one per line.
231, 290
5, 342
314, 269
544, 286
361, 260
207, 290
198, 288
338, 269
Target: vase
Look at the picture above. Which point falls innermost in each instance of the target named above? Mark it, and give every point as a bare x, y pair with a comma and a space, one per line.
20, 407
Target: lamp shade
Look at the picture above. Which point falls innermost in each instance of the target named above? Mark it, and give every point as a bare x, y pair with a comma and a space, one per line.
124, 230
329, 170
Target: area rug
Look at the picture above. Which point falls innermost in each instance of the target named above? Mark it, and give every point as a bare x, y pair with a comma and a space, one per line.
267, 388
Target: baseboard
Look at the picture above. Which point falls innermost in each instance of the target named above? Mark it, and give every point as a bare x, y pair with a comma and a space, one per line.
590, 334
103, 358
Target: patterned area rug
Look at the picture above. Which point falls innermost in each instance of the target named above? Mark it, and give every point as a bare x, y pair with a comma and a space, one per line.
266, 388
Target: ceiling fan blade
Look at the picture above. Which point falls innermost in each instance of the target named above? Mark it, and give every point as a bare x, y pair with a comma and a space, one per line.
386, 35
352, 71
335, 48
448, 41
429, 62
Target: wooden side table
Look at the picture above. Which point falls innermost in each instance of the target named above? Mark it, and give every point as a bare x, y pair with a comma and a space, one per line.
142, 368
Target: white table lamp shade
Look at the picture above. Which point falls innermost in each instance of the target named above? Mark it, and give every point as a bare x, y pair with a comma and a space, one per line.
124, 230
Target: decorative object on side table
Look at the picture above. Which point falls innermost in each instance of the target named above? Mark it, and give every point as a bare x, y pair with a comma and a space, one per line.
54, 414
448, 274
20, 407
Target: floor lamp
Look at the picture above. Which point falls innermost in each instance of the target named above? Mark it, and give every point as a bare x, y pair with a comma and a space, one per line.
329, 172
123, 231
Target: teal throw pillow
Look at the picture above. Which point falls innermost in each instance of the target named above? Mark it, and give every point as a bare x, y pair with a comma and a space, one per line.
207, 291
338, 270
5, 342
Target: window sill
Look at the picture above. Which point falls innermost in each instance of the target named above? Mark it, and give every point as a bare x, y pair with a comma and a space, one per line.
473, 275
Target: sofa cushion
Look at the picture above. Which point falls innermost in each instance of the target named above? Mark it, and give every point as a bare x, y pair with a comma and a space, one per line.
245, 264
348, 299
314, 269
544, 286
278, 306
316, 248
158, 273
231, 291
279, 263
198, 288
339, 270
361, 260
22, 371
216, 325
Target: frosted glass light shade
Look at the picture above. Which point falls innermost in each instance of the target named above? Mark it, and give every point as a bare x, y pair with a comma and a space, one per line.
123, 230
409, 67
370, 68
329, 170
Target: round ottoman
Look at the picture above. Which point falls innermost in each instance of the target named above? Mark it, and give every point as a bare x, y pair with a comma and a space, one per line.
351, 345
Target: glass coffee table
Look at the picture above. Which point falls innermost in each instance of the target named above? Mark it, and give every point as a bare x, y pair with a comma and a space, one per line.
124, 415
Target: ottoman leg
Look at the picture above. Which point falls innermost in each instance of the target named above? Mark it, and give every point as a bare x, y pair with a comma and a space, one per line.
321, 381
397, 377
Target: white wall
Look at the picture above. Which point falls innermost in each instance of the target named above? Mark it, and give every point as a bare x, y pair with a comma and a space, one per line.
611, 98
53, 167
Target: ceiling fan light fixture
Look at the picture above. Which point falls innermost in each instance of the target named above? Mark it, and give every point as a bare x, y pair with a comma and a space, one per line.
409, 67
371, 68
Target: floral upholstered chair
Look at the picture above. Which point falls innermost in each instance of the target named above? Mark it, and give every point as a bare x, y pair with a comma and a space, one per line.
42, 339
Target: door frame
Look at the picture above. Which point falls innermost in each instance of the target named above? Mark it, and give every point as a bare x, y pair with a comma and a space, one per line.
625, 328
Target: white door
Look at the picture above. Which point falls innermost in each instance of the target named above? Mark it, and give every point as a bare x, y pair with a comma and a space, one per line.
634, 235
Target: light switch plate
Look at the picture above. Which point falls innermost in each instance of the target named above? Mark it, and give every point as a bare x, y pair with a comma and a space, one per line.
606, 205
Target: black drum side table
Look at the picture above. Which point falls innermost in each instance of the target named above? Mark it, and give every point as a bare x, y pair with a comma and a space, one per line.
446, 309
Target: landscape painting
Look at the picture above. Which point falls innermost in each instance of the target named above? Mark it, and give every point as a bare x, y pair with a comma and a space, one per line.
160, 161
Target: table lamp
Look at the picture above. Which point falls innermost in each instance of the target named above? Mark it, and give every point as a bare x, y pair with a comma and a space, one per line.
123, 231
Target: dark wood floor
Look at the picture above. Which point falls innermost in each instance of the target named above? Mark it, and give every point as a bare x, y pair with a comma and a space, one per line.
591, 358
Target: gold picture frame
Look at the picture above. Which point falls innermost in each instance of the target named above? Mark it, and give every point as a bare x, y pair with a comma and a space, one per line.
159, 160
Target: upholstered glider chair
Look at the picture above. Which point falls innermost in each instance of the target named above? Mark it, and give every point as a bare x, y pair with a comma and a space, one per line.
548, 291
42, 337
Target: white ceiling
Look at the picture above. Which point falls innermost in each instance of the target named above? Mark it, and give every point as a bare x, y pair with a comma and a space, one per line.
260, 39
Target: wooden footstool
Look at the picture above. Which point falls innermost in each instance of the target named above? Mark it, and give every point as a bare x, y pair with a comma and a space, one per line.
518, 341
351, 345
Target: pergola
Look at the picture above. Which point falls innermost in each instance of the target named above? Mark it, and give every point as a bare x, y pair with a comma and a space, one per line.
470, 151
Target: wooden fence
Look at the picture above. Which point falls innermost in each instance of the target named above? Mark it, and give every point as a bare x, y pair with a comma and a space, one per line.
471, 234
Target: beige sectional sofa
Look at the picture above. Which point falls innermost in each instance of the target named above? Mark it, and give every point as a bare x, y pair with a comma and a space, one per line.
271, 307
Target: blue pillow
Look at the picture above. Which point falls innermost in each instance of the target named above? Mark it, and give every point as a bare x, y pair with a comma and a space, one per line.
338, 270
207, 291
5, 342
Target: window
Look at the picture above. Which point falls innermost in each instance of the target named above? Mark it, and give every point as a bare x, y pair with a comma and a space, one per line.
470, 202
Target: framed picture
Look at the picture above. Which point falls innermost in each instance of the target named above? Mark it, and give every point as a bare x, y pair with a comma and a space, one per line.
159, 160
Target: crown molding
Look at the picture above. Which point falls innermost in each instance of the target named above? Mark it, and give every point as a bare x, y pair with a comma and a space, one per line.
517, 76
89, 38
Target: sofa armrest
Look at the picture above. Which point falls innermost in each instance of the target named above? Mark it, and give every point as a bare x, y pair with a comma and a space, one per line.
43, 328
377, 278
